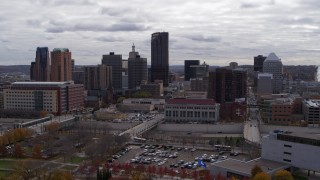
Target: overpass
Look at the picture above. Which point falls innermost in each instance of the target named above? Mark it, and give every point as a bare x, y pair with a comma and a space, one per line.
143, 127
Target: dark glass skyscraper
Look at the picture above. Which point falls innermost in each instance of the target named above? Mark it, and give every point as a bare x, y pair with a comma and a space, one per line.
160, 57
258, 63
187, 70
115, 61
40, 69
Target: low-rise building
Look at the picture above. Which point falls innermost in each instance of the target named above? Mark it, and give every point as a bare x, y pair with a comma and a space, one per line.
141, 105
155, 88
297, 150
192, 110
53, 97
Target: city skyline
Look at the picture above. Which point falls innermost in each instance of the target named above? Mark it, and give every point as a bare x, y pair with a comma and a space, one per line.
215, 32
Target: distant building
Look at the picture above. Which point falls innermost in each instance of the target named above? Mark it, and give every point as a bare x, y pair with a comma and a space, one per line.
115, 61
97, 77
61, 65
233, 65
264, 83
191, 110
235, 111
52, 97
199, 71
78, 77
137, 69
155, 88
187, 71
258, 63
225, 85
311, 112
160, 57
40, 69
273, 65
295, 149
199, 84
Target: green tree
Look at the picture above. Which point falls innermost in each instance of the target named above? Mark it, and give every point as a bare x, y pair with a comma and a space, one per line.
283, 175
255, 170
120, 99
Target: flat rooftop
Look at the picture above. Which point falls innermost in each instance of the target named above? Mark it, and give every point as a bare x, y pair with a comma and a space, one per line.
245, 167
304, 135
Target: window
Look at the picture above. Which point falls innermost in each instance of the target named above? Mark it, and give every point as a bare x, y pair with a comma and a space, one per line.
287, 160
286, 145
289, 153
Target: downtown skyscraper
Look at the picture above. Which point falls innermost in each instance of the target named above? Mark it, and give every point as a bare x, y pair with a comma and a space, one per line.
137, 69
61, 65
160, 57
40, 68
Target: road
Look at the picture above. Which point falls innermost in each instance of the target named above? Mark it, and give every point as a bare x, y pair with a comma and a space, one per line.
251, 130
145, 126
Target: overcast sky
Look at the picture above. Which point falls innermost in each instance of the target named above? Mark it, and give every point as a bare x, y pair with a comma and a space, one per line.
217, 32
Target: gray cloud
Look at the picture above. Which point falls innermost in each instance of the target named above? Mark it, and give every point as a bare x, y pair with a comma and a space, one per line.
248, 5
98, 28
109, 39
204, 38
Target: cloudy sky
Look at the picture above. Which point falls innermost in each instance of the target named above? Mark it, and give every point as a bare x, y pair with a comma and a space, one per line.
217, 32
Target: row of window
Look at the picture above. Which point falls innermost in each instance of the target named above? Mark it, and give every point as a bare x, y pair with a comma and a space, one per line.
177, 107
196, 114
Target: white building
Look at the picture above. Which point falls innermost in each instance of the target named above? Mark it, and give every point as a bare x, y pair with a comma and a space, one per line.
264, 83
141, 105
311, 112
192, 110
299, 150
273, 65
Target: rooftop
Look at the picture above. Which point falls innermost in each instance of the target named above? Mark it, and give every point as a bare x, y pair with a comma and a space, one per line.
273, 57
191, 101
245, 167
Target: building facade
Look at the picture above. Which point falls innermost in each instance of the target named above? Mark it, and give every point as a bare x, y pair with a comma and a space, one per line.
187, 71
52, 97
61, 65
155, 88
115, 61
191, 110
298, 150
137, 69
273, 65
97, 77
199, 71
311, 112
160, 57
199, 84
40, 69
225, 85
264, 83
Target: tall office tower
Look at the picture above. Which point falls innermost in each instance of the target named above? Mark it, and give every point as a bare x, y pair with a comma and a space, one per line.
137, 69
264, 84
72, 65
199, 71
225, 85
258, 63
160, 57
115, 61
97, 77
273, 65
40, 69
61, 65
187, 71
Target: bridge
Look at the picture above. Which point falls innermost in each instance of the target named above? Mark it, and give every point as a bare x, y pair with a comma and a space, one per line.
143, 127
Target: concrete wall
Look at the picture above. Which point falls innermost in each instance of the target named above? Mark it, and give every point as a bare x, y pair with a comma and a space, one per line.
265, 129
236, 128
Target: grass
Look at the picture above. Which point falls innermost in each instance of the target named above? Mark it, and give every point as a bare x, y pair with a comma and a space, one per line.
77, 160
6, 164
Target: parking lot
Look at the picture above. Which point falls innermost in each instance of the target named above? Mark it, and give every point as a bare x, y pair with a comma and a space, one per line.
173, 156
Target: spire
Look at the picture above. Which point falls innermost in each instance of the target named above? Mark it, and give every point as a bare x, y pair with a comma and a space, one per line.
133, 47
